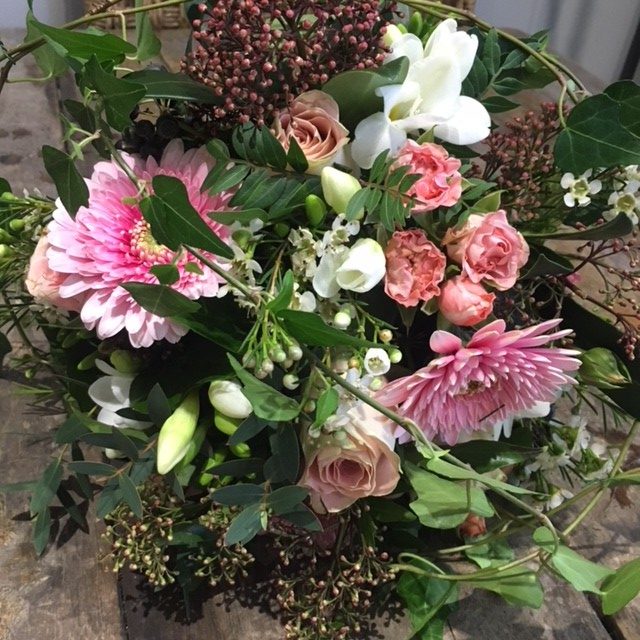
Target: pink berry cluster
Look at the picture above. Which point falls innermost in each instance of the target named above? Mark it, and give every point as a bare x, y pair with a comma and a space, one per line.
257, 55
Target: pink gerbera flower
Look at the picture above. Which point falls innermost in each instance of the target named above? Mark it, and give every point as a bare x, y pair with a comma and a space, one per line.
498, 375
109, 243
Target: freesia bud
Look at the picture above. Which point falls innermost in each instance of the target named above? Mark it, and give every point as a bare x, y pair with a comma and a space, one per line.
226, 397
176, 433
193, 447
315, 208
225, 424
338, 187
602, 369
124, 361
364, 267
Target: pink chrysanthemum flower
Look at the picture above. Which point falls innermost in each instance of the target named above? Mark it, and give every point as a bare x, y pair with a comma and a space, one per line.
498, 375
109, 243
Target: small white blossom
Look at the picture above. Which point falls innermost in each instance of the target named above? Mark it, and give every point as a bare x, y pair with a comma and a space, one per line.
632, 172
580, 189
626, 201
303, 259
376, 362
303, 301
557, 498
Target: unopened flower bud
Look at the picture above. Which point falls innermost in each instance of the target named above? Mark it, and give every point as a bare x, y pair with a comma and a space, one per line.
342, 320
17, 224
295, 352
376, 384
291, 381
338, 188
395, 355
226, 397
385, 336
602, 369
241, 450
316, 209
176, 433
242, 238
124, 361
225, 424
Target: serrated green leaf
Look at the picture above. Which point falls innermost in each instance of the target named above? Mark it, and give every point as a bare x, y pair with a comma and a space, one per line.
71, 187
491, 53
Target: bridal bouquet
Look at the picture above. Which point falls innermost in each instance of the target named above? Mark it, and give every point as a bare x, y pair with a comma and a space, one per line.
330, 308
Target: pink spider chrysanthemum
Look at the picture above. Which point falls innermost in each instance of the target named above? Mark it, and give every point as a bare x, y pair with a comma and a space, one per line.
496, 376
109, 243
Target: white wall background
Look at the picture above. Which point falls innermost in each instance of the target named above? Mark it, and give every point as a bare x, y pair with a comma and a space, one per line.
594, 34
12, 12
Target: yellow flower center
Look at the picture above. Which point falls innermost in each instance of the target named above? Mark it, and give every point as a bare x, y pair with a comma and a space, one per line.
145, 246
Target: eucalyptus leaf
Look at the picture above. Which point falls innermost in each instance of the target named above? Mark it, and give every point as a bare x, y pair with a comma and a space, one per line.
284, 499
130, 494
245, 526
41, 531
46, 488
173, 86
238, 494
284, 463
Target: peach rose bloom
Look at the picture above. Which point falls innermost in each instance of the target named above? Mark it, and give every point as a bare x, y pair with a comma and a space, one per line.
415, 268
313, 119
465, 303
440, 184
44, 284
489, 249
354, 462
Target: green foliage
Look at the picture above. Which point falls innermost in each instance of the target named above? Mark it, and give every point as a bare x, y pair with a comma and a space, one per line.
246, 525
51, 63
583, 574
267, 402
147, 42
619, 227
45, 490
487, 455
238, 494
545, 262
283, 465
163, 85
283, 299
429, 602
119, 96
596, 136
70, 185
621, 587
442, 504
517, 586
160, 300
130, 494
174, 221
355, 91
326, 405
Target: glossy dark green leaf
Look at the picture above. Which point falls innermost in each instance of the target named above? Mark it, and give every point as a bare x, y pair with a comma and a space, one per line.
82, 45
238, 494
119, 96
477, 81
41, 531
160, 300
130, 494
310, 329
498, 104
355, 91
71, 187
595, 137
173, 86
5, 345
487, 455
295, 157
627, 94
267, 402
545, 262
114, 440
166, 273
384, 510
245, 526
158, 405
237, 468
45, 490
174, 221
5, 187
326, 405
302, 517
517, 586
273, 153
248, 429
243, 217
620, 226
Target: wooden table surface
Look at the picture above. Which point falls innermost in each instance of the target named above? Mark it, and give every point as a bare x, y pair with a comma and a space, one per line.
68, 593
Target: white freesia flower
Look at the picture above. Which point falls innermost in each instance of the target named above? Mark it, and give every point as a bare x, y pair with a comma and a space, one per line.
580, 189
626, 201
338, 187
429, 98
376, 362
324, 279
226, 397
363, 268
111, 394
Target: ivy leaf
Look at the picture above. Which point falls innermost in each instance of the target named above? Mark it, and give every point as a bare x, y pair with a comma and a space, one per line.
147, 42
164, 85
120, 97
583, 574
160, 300
174, 221
82, 45
595, 137
72, 189
51, 63
627, 94
267, 402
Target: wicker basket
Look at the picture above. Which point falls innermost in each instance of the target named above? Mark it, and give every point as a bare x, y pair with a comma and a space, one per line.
167, 18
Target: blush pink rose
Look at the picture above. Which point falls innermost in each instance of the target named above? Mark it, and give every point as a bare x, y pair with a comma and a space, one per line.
313, 119
465, 303
44, 284
415, 268
489, 249
353, 462
440, 184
